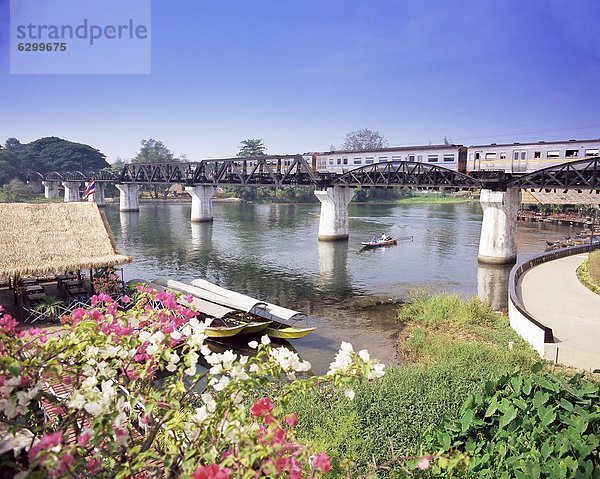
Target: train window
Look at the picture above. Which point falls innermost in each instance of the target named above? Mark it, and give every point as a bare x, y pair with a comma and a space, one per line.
523, 155
339, 161
477, 155
537, 154
357, 161
368, 162
592, 152
503, 155
553, 154
382, 159
411, 157
432, 158
345, 161
331, 162
571, 153
449, 157
490, 156
396, 158
419, 157
515, 155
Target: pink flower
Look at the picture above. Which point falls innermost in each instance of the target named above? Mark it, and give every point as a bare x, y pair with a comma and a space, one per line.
211, 472
424, 462
279, 436
92, 465
261, 407
84, 439
321, 462
48, 441
189, 298
292, 419
65, 462
125, 299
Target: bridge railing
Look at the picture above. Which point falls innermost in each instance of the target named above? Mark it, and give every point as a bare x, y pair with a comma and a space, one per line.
535, 333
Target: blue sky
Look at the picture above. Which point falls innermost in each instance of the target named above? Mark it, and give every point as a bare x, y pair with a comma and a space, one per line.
301, 74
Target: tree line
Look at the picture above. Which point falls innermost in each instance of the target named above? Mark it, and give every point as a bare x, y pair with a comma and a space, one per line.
48, 154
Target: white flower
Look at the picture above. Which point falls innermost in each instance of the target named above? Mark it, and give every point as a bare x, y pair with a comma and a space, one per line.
364, 355
191, 371
77, 400
265, 340
253, 368
346, 347
221, 384
152, 349
349, 393
377, 371
176, 335
253, 344
93, 408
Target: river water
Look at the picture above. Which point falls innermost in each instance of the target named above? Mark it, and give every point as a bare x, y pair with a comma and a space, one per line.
271, 252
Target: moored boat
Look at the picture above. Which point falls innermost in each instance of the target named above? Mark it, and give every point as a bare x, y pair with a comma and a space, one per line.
287, 332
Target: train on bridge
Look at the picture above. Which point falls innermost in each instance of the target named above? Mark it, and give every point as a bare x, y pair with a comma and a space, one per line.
514, 158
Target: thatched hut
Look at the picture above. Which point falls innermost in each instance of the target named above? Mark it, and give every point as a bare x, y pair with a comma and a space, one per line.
46, 239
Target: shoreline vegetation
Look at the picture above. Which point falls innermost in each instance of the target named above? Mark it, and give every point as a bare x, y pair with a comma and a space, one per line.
455, 355
589, 272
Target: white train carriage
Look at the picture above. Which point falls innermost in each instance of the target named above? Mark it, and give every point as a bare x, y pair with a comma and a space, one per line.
452, 157
528, 157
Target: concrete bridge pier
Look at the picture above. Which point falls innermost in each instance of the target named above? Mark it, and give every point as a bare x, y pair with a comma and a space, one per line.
333, 224
128, 197
498, 240
201, 202
98, 196
71, 191
51, 189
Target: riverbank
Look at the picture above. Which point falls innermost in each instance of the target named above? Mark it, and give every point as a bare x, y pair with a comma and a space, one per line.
589, 272
450, 349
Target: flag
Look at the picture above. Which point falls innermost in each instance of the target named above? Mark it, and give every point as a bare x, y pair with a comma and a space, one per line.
90, 190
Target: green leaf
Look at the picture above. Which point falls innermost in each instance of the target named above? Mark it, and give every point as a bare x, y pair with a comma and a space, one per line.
537, 367
508, 417
547, 415
444, 439
466, 420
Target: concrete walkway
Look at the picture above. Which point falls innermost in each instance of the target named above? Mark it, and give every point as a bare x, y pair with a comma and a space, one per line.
553, 295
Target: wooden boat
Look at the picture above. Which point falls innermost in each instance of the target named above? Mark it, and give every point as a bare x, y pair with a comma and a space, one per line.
378, 243
223, 331
287, 332
261, 318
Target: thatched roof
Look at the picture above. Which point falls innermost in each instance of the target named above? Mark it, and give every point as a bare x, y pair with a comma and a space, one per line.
53, 238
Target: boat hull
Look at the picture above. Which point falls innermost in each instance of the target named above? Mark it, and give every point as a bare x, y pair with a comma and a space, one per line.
379, 244
288, 333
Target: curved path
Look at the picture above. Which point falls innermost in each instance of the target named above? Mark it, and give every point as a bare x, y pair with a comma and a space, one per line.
553, 295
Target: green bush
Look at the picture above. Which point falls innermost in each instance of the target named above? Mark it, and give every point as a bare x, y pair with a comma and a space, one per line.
526, 426
458, 346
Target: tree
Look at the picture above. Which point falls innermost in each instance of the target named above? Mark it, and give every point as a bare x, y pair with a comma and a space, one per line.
153, 151
252, 147
364, 139
47, 154
12, 144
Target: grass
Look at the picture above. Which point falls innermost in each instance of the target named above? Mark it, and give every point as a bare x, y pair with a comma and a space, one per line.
452, 348
434, 199
589, 272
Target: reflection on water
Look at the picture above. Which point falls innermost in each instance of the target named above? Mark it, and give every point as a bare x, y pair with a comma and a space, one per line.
202, 235
333, 270
492, 285
271, 252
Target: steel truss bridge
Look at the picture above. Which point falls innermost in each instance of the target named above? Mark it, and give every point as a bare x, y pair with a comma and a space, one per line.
293, 170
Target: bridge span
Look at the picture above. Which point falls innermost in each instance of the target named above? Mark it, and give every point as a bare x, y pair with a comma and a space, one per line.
500, 191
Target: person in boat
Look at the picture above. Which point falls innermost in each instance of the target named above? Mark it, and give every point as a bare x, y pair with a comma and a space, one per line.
383, 237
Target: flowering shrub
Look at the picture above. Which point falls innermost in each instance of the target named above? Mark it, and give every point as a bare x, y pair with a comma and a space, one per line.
139, 393
107, 281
